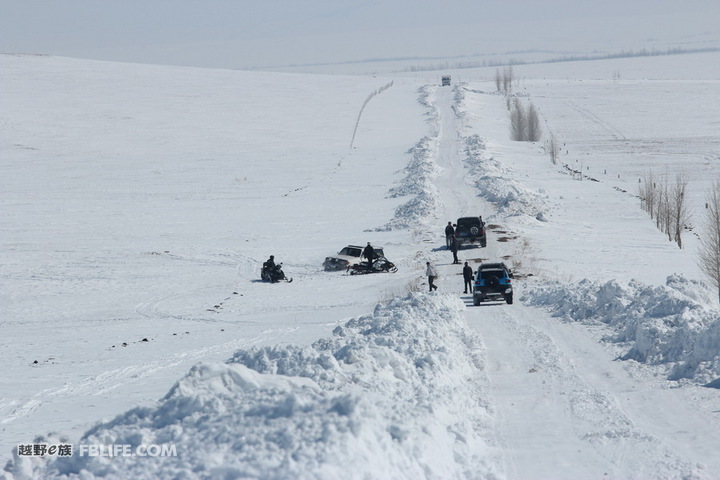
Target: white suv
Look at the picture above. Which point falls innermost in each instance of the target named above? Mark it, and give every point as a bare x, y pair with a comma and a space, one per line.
348, 256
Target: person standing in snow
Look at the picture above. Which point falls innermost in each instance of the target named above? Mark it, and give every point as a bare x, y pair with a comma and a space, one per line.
432, 275
369, 253
468, 277
454, 250
449, 233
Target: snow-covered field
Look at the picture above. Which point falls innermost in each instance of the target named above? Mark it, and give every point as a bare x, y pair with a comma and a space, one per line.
139, 202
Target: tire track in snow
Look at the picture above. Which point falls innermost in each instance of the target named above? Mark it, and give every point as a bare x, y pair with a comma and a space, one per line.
584, 112
552, 416
109, 380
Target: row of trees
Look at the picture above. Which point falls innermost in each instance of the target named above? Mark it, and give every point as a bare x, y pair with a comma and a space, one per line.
666, 203
524, 122
709, 248
504, 81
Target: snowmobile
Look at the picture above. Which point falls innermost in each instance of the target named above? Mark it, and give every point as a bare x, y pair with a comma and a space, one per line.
273, 274
379, 265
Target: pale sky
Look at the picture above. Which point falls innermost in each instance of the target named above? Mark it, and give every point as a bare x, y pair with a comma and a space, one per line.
269, 33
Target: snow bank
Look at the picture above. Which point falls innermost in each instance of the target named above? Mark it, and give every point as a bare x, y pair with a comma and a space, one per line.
493, 179
495, 183
675, 325
419, 175
396, 394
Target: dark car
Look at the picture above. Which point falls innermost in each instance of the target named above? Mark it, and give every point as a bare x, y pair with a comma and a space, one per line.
493, 282
471, 230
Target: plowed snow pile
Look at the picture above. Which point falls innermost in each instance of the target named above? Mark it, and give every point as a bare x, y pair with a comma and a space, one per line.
670, 325
395, 394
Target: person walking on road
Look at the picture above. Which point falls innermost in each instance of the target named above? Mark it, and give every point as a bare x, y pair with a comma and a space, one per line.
468, 277
432, 275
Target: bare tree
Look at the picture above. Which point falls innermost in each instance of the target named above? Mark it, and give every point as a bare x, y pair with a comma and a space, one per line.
508, 77
517, 121
709, 254
666, 212
498, 80
681, 213
533, 131
661, 191
524, 123
647, 193
553, 148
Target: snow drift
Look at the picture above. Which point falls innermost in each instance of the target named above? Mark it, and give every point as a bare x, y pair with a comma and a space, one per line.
671, 325
395, 394
419, 175
493, 180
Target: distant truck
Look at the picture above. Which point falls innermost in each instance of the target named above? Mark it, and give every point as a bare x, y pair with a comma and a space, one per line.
446, 80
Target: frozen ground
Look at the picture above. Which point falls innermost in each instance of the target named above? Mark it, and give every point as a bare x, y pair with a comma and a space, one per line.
139, 203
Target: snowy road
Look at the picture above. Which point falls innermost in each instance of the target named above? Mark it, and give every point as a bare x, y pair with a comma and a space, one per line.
566, 408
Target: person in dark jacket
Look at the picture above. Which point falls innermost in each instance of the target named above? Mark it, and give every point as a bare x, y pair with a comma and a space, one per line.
268, 268
468, 277
369, 253
449, 233
454, 250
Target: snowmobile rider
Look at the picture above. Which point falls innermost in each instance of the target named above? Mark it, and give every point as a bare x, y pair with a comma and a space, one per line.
270, 262
269, 265
369, 253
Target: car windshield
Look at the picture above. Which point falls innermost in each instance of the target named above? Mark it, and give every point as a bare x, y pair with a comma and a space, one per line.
464, 222
490, 274
351, 251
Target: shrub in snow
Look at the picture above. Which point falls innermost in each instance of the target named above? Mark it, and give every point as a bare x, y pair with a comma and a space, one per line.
396, 394
671, 325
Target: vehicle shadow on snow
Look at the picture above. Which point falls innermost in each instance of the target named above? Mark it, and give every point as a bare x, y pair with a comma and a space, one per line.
443, 248
468, 301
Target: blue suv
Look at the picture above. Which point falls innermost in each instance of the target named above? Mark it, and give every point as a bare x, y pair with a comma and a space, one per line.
493, 282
